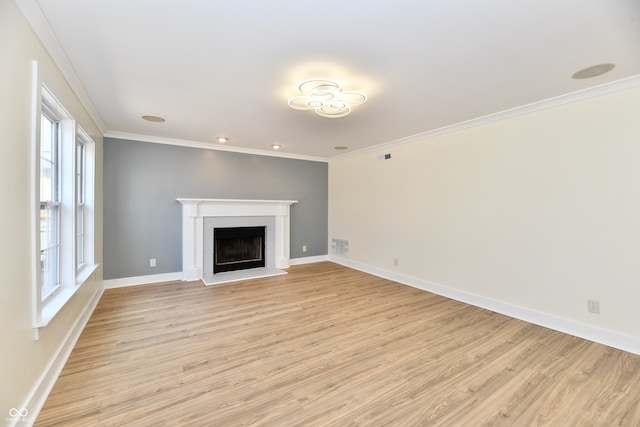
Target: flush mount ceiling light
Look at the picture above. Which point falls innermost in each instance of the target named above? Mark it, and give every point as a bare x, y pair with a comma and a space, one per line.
276, 146
222, 139
593, 71
154, 119
326, 97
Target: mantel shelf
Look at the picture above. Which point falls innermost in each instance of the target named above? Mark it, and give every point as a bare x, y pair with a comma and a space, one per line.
235, 201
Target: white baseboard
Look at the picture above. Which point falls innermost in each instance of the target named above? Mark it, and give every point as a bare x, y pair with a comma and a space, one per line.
571, 327
308, 260
142, 280
170, 277
42, 388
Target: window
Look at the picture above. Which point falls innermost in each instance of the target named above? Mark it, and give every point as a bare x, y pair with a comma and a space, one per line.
64, 180
80, 186
49, 203
84, 202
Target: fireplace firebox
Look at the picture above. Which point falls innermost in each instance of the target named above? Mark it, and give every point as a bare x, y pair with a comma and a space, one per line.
238, 248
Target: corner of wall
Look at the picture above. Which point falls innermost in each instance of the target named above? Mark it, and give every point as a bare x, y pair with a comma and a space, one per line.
567, 326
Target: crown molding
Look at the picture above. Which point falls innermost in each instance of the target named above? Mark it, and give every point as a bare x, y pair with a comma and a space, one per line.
34, 16
603, 89
210, 146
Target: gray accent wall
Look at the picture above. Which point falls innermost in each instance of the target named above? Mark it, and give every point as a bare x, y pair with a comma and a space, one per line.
143, 220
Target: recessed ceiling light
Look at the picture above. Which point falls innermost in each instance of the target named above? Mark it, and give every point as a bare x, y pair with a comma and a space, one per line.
593, 71
222, 139
155, 119
340, 147
276, 146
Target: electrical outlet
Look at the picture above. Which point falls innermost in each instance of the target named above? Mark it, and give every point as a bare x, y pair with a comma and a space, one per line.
304, 248
395, 262
593, 306
152, 262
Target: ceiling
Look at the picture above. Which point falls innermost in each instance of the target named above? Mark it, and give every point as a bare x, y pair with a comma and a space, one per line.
227, 68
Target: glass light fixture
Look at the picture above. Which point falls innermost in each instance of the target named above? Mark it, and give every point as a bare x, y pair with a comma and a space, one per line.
326, 97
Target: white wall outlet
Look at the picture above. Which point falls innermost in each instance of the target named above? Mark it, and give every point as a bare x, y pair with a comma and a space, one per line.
395, 262
304, 248
152, 262
593, 306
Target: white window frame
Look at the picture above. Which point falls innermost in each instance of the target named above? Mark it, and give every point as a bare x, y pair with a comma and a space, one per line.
85, 268
71, 273
79, 201
50, 203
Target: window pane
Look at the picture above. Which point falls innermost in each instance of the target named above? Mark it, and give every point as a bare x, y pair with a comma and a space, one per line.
80, 172
49, 248
46, 140
45, 227
46, 181
48, 160
80, 235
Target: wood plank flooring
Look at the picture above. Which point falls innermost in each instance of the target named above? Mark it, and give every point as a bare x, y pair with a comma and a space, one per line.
327, 345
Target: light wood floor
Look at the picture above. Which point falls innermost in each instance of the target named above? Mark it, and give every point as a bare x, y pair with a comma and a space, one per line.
326, 345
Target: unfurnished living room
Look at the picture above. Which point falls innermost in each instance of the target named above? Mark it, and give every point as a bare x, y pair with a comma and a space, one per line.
338, 213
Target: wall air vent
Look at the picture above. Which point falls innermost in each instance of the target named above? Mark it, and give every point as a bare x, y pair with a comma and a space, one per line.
340, 247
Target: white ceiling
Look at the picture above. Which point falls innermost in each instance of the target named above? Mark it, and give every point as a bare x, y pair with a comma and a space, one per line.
228, 67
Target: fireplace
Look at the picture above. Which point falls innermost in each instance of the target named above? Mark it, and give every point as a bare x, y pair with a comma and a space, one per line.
238, 248
200, 217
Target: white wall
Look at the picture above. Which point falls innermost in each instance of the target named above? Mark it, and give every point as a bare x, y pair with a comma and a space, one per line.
25, 363
538, 212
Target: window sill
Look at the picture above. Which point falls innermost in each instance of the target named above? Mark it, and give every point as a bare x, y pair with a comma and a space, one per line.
55, 303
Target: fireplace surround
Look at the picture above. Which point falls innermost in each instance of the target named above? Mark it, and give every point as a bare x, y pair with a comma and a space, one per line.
201, 216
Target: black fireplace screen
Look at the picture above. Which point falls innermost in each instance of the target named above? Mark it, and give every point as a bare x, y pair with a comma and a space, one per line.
238, 248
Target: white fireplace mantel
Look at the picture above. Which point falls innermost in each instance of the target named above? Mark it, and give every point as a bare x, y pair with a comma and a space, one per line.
195, 210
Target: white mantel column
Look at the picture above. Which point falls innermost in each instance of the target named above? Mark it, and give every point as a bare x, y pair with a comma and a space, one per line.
189, 220
282, 243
